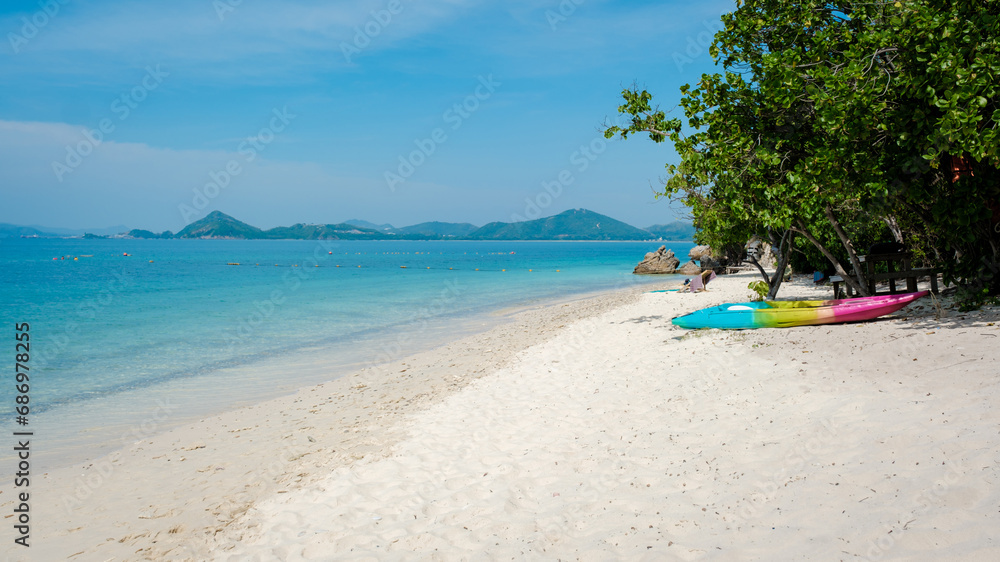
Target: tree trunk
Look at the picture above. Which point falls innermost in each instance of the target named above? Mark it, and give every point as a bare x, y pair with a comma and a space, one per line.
897, 233
784, 252
774, 281
851, 254
863, 291
760, 268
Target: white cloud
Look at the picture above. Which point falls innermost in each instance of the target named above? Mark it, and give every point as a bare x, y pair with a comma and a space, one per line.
149, 187
271, 42
270, 39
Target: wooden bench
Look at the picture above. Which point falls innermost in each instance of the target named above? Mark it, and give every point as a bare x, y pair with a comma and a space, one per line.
837, 280
905, 272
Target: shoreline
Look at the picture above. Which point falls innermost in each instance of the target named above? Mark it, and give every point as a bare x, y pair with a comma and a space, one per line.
151, 411
555, 434
84, 490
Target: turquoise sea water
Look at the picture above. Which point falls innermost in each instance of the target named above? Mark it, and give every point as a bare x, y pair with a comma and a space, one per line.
126, 346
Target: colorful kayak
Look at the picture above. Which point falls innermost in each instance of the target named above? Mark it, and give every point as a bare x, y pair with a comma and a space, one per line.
785, 314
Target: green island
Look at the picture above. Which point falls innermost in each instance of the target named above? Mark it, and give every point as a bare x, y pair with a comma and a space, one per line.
574, 224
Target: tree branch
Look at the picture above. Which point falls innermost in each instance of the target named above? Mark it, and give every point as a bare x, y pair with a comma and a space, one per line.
784, 253
753, 260
851, 254
801, 229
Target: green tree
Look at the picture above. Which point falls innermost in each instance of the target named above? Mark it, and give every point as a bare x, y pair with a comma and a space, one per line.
829, 123
947, 72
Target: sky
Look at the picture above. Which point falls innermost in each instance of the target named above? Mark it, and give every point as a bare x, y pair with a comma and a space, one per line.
153, 114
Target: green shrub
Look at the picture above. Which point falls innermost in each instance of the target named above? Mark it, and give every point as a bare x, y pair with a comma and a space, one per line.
760, 288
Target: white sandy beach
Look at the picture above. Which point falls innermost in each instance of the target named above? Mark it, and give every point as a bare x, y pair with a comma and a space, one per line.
591, 430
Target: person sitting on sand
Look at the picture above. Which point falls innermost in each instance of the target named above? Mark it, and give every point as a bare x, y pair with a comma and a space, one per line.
694, 284
699, 284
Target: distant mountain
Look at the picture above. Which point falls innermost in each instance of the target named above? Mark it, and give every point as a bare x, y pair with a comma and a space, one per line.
676, 230
424, 231
220, 225
438, 229
575, 224
139, 233
342, 231
106, 231
370, 225
15, 231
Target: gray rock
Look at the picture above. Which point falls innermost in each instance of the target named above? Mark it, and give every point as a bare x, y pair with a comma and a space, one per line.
700, 252
714, 263
690, 268
707, 259
660, 261
762, 251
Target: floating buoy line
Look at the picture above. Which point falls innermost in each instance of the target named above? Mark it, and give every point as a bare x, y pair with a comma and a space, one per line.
501, 270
